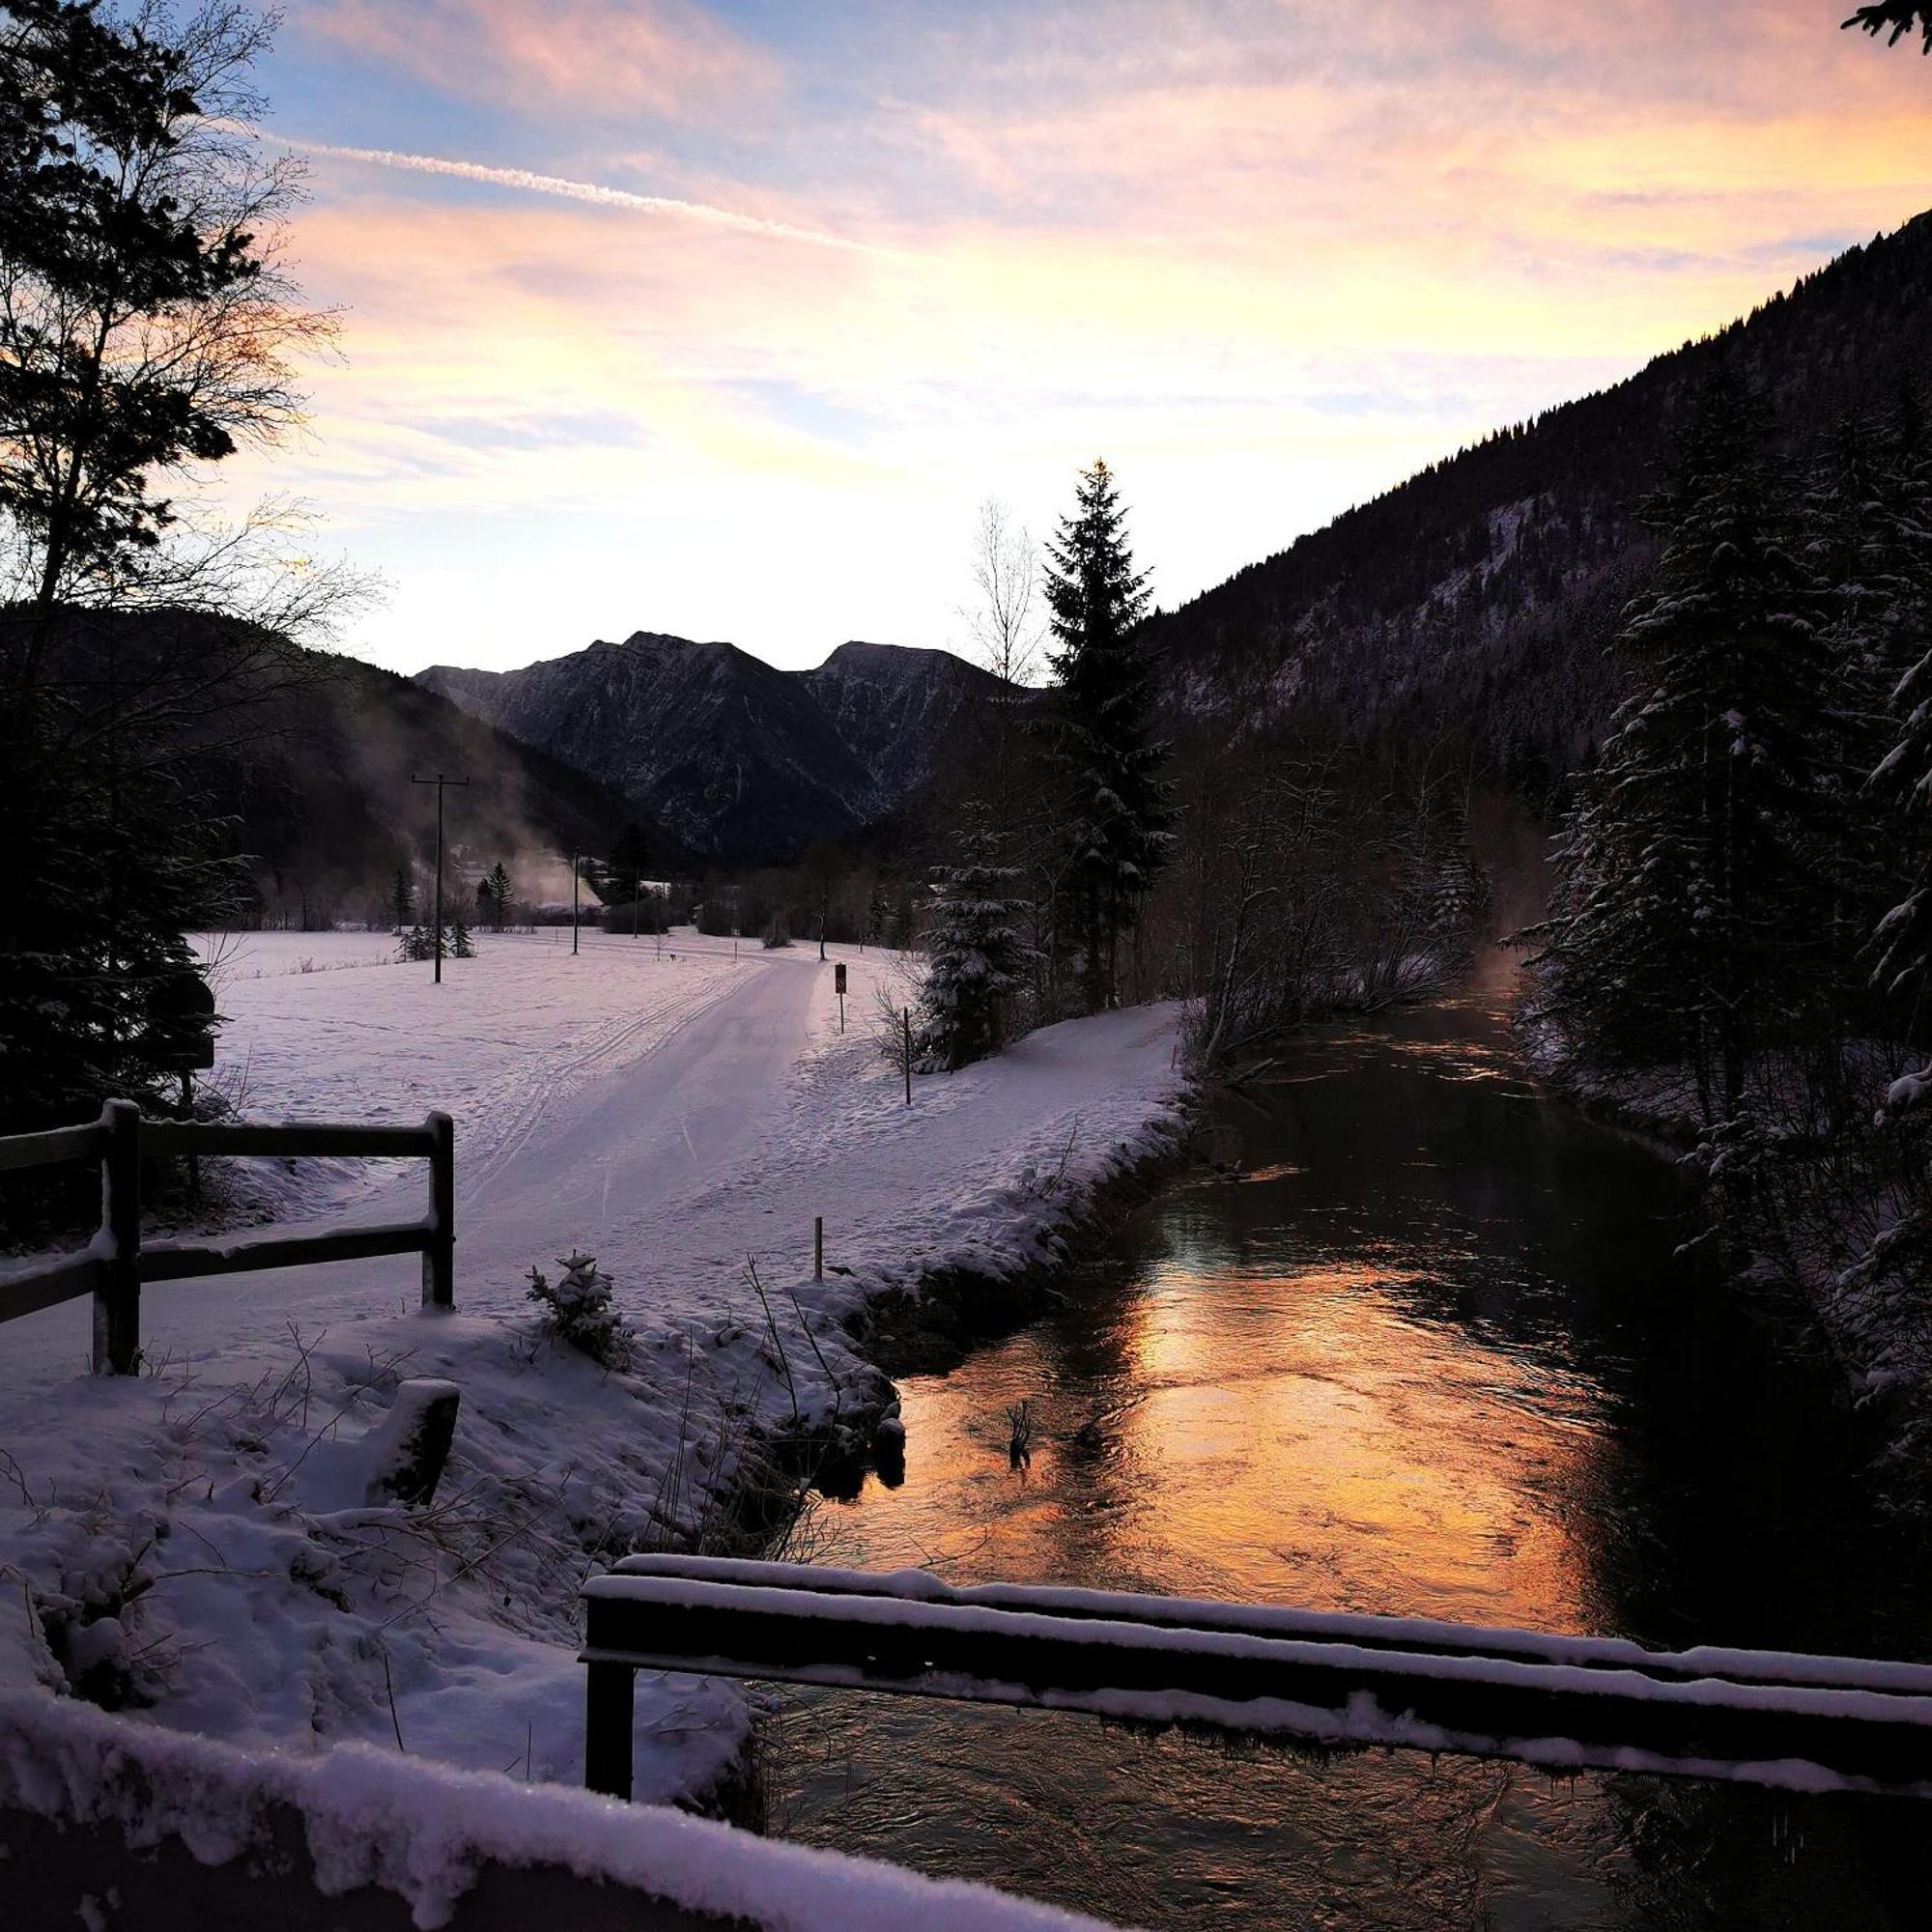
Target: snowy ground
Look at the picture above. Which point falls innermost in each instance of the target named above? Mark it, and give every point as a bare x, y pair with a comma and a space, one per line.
329, 1026
198, 1541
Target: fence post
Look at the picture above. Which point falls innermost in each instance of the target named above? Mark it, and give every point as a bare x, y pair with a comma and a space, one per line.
609, 1716
117, 1297
818, 1247
440, 1255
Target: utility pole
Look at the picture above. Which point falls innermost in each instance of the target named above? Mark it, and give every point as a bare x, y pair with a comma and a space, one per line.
576, 864
637, 893
439, 782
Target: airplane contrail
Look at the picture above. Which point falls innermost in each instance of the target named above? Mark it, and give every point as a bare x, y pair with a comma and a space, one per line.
594, 192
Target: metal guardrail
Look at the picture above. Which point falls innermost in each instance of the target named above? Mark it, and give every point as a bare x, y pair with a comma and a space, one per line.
1558, 1701
115, 1264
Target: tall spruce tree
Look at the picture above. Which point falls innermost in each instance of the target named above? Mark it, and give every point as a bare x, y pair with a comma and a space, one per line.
1895, 611
1868, 517
977, 958
498, 886
1894, 574
1117, 818
1693, 918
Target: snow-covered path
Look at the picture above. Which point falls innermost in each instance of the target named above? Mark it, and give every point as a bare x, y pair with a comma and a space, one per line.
623, 1164
673, 1113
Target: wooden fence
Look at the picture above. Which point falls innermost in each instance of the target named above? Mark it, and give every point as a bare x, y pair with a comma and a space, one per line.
1337, 1678
115, 1264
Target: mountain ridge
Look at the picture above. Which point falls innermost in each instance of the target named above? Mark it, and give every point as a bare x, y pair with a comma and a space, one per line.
1480, 594
740, 759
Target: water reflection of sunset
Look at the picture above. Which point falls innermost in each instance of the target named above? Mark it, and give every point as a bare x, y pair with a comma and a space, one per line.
1391, 1370
1299, 1440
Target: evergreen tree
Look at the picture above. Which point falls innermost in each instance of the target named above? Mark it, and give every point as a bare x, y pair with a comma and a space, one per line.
1886, 597
499, 883
461, 946
1459, 886
1691, 919
1116, 817
403, 898
614, 877
1868, 512
1894, 20
977, 958
93, 925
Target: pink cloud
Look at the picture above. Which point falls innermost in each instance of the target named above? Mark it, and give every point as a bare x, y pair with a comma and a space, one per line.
596, 56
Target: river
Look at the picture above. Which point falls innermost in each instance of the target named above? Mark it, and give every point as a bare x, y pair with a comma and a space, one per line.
1424, 1343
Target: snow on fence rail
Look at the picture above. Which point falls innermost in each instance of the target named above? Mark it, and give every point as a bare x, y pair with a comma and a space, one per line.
1564, 1702
115, 1263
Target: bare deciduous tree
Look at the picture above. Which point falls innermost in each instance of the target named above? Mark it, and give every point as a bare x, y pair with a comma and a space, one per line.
148, 324
1008, 617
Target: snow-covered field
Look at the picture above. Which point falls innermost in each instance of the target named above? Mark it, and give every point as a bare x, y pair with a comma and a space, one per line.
330, 1026
200, 1541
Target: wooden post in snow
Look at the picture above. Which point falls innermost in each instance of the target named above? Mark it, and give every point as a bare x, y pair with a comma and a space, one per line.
117, 1295
609, 1706
438, 1271
906, 1021
818, 1247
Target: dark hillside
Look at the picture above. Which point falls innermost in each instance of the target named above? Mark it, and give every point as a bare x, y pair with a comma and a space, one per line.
311, 755
1478, 595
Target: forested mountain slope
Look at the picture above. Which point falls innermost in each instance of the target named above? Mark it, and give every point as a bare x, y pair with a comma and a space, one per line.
309, 757
1479, 595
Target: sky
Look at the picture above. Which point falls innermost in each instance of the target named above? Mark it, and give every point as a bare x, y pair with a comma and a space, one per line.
722, 319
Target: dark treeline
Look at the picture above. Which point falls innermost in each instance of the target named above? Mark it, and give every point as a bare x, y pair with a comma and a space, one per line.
1741, 921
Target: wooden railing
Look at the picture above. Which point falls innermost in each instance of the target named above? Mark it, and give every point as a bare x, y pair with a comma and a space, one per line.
1334, 1678
113, 1266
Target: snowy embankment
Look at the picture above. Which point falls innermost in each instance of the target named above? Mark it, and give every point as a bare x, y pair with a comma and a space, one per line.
1809, 1252
203, 1542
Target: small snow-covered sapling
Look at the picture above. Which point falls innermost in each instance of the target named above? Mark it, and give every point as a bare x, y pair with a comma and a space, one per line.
580, 1310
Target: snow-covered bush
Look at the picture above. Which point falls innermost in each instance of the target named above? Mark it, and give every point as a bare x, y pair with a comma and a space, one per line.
777, 933
579, 1310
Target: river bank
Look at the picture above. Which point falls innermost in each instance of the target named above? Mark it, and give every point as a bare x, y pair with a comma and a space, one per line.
1799, 1256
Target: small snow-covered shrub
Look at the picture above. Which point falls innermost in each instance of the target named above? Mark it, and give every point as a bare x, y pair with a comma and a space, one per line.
580, 1311
777, 933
